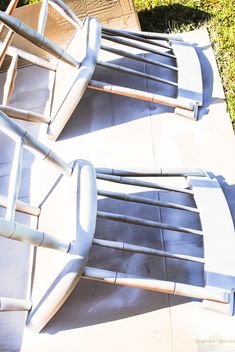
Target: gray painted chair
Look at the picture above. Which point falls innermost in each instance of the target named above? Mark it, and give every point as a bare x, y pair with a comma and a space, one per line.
80, 58
74, 200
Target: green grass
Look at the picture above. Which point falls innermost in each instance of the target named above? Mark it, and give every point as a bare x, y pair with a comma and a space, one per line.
218, 16
184, 15
4, 3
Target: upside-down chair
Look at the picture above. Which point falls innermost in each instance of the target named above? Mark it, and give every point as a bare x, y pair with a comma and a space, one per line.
79, 59
66, 223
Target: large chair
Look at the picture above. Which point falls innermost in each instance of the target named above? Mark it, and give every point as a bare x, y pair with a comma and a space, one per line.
78, 62
66, 223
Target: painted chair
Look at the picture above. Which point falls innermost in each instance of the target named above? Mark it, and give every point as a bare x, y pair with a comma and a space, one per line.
66, 223
79, 60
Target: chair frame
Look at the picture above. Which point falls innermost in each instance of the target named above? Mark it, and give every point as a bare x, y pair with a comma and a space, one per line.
189, 91
84, 176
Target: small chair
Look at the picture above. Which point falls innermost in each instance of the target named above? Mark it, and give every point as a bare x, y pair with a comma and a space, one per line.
80, 59
66, 221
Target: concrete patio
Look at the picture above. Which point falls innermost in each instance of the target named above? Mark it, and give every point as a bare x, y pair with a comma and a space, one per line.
120, 132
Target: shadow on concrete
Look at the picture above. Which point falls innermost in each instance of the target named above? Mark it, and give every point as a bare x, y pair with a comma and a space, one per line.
229, 192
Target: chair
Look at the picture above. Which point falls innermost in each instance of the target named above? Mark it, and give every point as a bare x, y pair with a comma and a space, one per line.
78, 61
66, 222
80, 58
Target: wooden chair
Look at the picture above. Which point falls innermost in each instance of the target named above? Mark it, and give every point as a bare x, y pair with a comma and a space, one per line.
67, 217
78, 62
80, 58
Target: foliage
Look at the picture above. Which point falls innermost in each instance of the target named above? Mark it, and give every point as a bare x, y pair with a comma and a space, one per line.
182, 15
4, 3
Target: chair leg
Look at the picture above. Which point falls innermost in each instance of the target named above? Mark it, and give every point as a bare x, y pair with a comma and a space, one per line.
174, 288
144, 200
148, 223
135, 57
138, 94
128, 247
135, 45
135, 73
125, 34
13, 304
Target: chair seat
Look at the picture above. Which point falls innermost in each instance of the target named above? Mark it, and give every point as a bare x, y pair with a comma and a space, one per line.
84, 47
71, 208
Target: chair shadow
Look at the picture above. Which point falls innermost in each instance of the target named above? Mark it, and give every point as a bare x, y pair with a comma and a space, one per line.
229, 192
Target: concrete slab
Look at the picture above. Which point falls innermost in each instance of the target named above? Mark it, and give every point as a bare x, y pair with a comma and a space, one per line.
122, 132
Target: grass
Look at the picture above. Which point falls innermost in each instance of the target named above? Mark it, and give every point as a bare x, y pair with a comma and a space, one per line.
218, 16
4, 3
